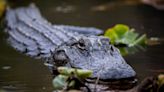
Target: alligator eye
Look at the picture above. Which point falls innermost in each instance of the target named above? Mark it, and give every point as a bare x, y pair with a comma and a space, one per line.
112, 48
81, 44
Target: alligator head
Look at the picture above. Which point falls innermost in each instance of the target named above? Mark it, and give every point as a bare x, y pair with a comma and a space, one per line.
93, 53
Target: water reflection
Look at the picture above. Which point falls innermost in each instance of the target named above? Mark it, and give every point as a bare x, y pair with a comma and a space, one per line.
6, 67
117, 3
65, 9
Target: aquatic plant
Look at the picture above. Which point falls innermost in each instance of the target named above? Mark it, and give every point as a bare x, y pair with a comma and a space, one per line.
70, 78
121, 34
126, 38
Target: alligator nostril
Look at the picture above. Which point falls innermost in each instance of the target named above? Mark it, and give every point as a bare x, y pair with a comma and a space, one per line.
60, 58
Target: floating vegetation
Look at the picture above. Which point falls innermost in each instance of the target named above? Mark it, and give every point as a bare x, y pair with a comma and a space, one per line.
126, 38
70, 78
59, 82
121, 34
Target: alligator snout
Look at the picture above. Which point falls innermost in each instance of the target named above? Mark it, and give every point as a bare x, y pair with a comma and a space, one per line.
114, 71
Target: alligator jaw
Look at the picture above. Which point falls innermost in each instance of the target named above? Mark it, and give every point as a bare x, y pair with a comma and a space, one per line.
121, 84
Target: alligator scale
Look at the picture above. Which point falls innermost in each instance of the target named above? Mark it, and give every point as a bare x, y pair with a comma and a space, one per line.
61, 45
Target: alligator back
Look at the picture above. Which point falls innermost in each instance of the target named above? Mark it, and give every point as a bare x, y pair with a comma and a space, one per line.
31, 34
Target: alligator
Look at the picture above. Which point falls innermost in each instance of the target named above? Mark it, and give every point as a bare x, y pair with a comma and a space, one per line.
64, 45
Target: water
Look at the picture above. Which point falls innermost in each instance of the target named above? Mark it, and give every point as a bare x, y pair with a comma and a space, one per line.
19, 73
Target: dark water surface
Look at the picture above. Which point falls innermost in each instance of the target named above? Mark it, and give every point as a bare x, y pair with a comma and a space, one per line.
19, 73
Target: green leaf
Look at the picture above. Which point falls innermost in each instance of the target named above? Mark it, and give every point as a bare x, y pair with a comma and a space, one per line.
116, 32
78, 72
123, 51
121, 29
59, 82
110, 33
128, 38
141, 40
122, 34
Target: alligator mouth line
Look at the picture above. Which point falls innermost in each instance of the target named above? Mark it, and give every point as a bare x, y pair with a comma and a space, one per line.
122, 84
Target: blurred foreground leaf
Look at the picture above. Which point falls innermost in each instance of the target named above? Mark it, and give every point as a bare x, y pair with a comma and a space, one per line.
161, 79
122, 34
2, 7
59, 81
